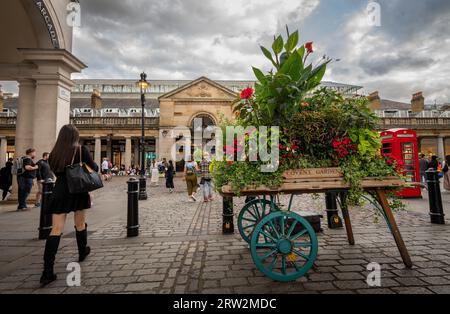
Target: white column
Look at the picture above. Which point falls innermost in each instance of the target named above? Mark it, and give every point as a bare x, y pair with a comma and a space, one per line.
51, 112
24, 124
441, 147
25, 113
128, 152
3, 151
98, 151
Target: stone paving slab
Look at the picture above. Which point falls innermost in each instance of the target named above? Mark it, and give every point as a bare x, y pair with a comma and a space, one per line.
181, 250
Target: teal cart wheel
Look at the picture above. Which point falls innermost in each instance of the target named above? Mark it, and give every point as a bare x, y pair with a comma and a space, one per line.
284, 246
251, 214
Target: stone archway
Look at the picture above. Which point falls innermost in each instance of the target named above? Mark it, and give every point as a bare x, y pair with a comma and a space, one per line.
207, 120
37, 53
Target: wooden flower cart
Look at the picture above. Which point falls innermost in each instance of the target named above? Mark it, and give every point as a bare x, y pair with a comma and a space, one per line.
283, 244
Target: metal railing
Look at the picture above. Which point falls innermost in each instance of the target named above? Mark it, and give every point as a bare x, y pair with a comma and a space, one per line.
415, 123
96, 123
135, 122
113, 122
8, 122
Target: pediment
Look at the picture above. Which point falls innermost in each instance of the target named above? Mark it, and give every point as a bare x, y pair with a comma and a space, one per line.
201, 89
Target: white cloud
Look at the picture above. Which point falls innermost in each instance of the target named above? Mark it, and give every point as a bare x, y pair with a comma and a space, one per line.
396, 66
182, 39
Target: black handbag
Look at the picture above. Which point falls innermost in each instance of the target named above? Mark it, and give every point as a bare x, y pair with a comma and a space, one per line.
81, 178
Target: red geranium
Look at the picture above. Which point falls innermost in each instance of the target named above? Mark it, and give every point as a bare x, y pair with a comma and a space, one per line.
247, 93
344, 147
309, 47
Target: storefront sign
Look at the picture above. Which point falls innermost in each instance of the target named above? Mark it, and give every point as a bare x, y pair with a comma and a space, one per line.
64, 94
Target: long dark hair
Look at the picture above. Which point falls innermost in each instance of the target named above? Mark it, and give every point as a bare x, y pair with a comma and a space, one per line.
62, 153
447, 160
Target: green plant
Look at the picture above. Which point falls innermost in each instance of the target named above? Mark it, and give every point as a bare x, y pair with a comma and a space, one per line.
280, 93
319, 127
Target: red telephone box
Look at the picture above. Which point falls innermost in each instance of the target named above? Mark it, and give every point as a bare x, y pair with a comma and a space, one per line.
402, 145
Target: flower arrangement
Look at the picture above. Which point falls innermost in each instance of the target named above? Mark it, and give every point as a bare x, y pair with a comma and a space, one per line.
319, 127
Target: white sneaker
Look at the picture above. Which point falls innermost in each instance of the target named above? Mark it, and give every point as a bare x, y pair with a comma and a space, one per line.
194, 198
7, 196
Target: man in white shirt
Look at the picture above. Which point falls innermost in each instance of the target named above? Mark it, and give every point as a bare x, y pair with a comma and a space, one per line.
105, 169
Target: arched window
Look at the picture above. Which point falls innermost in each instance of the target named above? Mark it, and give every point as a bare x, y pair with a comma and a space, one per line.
203, 120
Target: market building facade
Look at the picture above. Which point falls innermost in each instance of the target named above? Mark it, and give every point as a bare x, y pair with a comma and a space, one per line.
108, 112
108, 115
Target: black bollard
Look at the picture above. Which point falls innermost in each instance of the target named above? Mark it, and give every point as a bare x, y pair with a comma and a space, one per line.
334, 221
435, 198
228, 223
133, 208
45, 219
143, 188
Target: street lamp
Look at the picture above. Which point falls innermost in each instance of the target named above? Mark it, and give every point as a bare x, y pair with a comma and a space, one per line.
143, 85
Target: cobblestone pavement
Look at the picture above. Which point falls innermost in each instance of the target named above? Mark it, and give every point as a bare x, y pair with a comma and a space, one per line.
181, 250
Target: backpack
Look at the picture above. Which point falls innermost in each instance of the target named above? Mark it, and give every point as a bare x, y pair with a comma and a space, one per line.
17, 168
190, 169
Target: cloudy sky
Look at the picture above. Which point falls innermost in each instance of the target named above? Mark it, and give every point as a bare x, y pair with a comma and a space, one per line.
184, 39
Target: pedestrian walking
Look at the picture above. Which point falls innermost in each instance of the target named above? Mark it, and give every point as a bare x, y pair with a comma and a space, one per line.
434, 163
190, 169
25, 177
154, 180
105, 169
43, 174
6, 178
206, 179
446, 171
423, 165
67, 151
170, 171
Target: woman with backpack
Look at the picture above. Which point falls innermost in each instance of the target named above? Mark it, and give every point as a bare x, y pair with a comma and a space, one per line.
190, 170
67, 151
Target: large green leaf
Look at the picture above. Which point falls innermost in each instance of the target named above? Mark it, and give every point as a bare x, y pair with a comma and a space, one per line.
259, 75
301, 51
292, 42
277, 45
292, 67
318, 74
268, 55
283, 58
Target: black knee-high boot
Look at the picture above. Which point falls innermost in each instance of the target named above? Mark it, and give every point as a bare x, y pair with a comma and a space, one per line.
51, 248
83, 249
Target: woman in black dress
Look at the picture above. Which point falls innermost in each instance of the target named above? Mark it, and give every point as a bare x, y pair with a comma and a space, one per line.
170, 170
65, 153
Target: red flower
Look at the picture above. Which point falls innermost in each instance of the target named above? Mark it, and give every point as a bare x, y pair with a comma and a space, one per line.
247, 93
344, 147
309, 47
230, 163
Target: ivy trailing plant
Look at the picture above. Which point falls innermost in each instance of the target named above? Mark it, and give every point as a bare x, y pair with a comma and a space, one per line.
319, 126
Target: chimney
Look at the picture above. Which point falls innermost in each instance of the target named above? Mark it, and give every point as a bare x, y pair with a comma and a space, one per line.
374, 101
96, 100
418, 103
